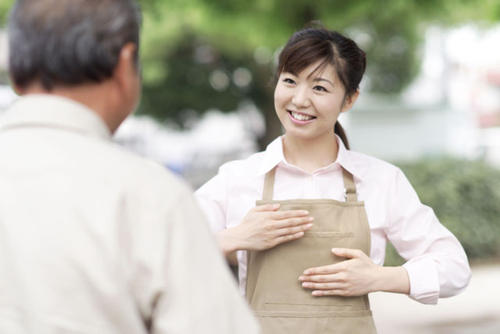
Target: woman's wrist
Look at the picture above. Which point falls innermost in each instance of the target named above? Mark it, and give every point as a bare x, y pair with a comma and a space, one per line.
228, 241
392, 279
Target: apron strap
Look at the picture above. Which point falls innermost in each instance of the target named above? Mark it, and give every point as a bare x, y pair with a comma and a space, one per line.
350, 186
268, 193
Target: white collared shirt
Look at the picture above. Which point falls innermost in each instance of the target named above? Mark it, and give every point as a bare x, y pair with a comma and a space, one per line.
436, 262
94, 239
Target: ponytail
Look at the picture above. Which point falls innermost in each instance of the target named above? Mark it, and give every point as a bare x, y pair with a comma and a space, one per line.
339, 131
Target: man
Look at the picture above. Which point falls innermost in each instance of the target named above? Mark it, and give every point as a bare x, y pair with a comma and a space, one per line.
94, 239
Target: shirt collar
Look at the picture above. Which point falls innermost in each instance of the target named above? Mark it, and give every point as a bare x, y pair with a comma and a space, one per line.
53, 111
350, 161
273, 155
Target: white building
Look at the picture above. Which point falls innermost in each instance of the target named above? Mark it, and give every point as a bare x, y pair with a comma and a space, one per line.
452, 108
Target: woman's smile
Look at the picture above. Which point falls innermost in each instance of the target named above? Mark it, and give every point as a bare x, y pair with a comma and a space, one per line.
300, 118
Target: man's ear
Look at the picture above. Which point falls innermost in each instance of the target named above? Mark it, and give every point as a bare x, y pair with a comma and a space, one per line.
125, 69
349, 101
17, 89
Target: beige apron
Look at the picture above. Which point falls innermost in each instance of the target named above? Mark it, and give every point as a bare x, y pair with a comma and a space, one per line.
273, 289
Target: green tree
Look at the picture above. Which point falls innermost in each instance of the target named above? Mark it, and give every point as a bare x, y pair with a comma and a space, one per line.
4, 8
465, 196
193, 49
239, 32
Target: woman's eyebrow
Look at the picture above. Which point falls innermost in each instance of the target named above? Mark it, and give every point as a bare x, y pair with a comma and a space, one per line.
323, 79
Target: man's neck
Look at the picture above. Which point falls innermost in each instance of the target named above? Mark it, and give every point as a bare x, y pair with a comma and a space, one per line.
93, 96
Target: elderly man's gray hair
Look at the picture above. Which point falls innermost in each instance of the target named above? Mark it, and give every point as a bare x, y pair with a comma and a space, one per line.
69, 42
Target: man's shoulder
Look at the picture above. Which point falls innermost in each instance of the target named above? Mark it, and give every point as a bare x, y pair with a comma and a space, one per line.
140, 172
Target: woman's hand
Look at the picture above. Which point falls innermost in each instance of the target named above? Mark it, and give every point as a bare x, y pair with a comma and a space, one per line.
354, 277
265, 227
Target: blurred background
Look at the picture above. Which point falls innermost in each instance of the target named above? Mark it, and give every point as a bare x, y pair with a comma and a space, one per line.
430, 103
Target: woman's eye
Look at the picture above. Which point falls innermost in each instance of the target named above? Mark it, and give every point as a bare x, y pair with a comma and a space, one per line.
288, 81
320, 88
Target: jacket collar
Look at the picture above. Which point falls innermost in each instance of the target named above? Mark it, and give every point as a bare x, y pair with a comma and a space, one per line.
43, 110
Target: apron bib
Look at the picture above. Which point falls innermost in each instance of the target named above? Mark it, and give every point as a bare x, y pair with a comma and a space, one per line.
273, 290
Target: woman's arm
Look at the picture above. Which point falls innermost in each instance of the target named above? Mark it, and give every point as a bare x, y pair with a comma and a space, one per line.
261, 228
354, 277
436, 262
437, 265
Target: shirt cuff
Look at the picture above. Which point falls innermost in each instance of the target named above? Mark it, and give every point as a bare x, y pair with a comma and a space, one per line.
424, 280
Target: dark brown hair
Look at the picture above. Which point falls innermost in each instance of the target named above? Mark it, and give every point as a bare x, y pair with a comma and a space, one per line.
69, 42
310, 45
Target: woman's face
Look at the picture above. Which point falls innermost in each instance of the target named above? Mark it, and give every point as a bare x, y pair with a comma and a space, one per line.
309, 103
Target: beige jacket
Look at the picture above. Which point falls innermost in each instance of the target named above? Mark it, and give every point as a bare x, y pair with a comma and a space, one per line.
94, 239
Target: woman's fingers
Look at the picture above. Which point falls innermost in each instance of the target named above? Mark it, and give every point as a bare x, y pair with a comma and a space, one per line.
324, 286
288, 237
265, 226
328, 269
293, 230
349, 253
286, 214
323, 278
337, 292
292, 222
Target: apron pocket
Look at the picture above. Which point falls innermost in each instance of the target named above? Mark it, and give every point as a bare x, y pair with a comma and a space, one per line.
324, 305
303, 306
328, 234
314, 314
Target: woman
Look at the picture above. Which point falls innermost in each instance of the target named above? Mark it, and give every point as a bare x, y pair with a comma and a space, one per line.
312, 247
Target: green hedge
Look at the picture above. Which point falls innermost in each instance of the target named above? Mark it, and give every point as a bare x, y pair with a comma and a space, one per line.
465, 195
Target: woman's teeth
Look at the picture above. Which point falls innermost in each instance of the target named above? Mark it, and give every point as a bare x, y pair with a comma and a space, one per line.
301, 117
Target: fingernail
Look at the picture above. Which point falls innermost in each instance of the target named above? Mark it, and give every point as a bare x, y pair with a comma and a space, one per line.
334, 250
305, 212
309, 225
277, 205
301, 278
310, 219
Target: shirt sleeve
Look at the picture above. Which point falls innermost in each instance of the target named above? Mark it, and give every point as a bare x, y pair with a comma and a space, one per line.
200, 295
437, 265
212, 199
179, 278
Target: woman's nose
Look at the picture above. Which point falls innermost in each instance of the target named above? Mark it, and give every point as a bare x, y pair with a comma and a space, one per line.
301, 97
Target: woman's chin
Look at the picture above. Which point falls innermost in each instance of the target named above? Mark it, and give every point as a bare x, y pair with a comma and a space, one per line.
299, 135
305, 135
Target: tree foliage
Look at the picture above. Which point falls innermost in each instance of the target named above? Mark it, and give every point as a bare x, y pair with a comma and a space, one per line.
464, 195
186, 43
4, 9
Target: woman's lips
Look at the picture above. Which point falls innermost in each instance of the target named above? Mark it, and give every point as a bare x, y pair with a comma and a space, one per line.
300, 118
